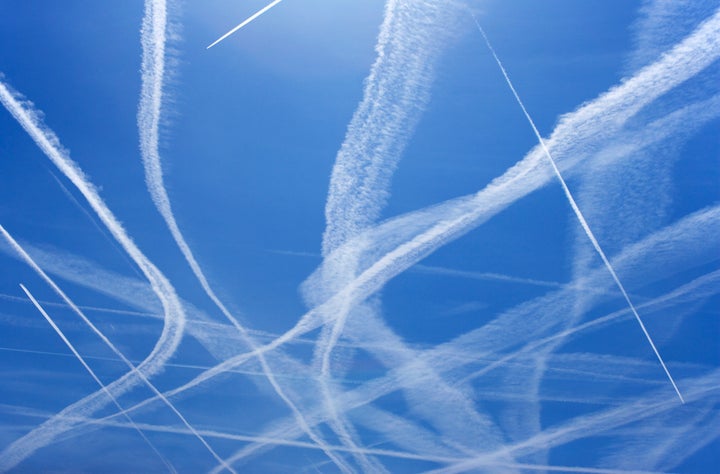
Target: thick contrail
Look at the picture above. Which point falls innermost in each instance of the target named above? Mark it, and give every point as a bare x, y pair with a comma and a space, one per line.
578, 212
583, 426
395, 94
134, 370
153, 39
174, 314
94, 376
251, 18
682, 238
685, 60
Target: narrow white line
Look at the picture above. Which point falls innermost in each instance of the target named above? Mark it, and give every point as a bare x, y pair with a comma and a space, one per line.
28, 259
579, 213
95, 377
255, 15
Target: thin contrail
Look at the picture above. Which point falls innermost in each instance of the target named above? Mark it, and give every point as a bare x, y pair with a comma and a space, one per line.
95, 224
579, 213
30, 120
686, 59
251, 18
28, 259
94, 376
682, 235
153, 39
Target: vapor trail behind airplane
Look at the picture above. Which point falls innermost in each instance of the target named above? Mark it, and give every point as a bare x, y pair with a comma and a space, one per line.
250, 19
578, 212
92, 374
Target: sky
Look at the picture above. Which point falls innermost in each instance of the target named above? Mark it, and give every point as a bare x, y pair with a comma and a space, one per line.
360, 236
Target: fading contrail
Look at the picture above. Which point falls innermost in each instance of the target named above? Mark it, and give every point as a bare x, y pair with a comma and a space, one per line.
682, 237
685, 60
153, 39
395, 94
94, 376
174, 321
599, 117
133, 370
578, 212
585, 425
251, 18
305, 445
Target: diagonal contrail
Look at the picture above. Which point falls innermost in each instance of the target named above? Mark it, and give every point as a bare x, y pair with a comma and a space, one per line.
28, 259
251, 18
578, 212
94, 376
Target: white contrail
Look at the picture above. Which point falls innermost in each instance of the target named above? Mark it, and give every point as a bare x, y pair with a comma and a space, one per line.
693, 54
174, 314
578, 212
682, 239
685, 60
133, 370
94, 376
251, 18
395, 92
583, 426
443, 459
153, 39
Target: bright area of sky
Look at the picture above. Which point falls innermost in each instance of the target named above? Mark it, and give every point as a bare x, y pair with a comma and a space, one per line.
331, 242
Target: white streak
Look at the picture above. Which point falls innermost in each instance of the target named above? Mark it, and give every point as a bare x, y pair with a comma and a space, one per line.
251, 18
174, 315
149, 117
133, 370
92, 374
580, 216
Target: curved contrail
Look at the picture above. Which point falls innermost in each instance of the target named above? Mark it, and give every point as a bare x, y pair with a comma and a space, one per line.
687, 58
153, 39
103, 387
174, 322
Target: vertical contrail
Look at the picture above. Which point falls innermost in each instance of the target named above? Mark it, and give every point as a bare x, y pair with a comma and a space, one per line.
153, 39
251, 18
577, 211
28, 259
94, 376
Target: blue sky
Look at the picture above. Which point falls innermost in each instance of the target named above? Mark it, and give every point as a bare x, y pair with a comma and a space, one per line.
333, 243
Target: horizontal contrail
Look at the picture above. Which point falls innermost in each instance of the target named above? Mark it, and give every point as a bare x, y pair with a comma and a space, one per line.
581, 426
22, 411
251, 18
94, 376
579, 214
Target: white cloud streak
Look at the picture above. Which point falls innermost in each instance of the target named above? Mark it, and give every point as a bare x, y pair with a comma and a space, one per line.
134, 371
581, 217
94, 376
153, 41
174, 320
245, 22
